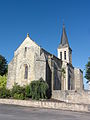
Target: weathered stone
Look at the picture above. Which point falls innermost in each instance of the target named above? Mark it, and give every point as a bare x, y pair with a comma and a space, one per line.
31, 62
46, 104
39, 62
72, 96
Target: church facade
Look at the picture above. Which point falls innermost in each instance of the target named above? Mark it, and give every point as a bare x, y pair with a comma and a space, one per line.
31, 62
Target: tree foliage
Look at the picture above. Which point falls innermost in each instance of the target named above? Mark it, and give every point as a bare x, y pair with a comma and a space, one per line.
3, 81
38, 89
87, 75
27, 91
3, 65
5, 93
18, 92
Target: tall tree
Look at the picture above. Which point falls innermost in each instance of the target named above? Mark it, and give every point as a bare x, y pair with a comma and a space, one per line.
87, 74
3, 65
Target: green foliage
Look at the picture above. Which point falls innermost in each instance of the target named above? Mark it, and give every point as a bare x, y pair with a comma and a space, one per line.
38, 89
3, 65
3, 80
35, 90
5, 93
27, 91
18, 92
87, 75
19, 96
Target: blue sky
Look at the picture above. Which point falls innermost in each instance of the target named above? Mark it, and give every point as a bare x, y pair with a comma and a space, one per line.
43, 20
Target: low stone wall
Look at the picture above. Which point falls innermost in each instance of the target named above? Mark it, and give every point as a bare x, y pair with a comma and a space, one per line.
82, 97
46, 104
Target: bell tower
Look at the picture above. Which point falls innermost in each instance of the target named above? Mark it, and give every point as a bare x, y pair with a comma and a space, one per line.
64, 50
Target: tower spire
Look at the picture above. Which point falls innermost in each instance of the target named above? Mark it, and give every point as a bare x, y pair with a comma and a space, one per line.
64, 39
63, 24
64, 50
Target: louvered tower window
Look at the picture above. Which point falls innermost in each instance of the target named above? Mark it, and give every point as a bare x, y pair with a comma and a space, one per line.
65, 55
61, 55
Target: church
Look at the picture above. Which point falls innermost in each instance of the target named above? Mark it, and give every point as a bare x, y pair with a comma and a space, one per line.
32, 62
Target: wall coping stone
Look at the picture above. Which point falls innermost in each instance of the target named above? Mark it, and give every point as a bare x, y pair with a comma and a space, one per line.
47, 104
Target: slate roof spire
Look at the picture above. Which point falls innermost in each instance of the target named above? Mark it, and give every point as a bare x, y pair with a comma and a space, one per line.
64, 39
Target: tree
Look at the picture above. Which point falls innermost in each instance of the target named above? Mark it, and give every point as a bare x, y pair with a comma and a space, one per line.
87, 74
3, 81
3, 65
38, 89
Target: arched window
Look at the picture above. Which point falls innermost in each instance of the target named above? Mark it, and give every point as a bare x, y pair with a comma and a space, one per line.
26, 72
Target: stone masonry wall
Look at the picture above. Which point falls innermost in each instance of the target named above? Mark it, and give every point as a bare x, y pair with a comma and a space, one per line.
11, 73
72, 96
28, 54
56, 65
71, 82
78, 78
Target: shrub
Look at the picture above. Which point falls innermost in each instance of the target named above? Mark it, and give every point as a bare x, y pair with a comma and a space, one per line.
18, 92
19, 96
38, 89
3, 80
5, 93
27, 91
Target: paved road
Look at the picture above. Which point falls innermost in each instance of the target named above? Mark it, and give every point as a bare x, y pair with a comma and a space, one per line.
10, 112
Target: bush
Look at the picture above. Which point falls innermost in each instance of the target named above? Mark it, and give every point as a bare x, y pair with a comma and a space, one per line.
38, 89
3, 80
27, 91
19, 96
18, 92
5, 93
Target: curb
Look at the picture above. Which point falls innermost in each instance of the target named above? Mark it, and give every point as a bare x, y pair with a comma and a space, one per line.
47, 104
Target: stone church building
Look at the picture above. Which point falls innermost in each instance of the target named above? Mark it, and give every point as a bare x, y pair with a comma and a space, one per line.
32, 62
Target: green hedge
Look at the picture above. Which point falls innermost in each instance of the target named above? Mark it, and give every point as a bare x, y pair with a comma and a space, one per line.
36, 90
